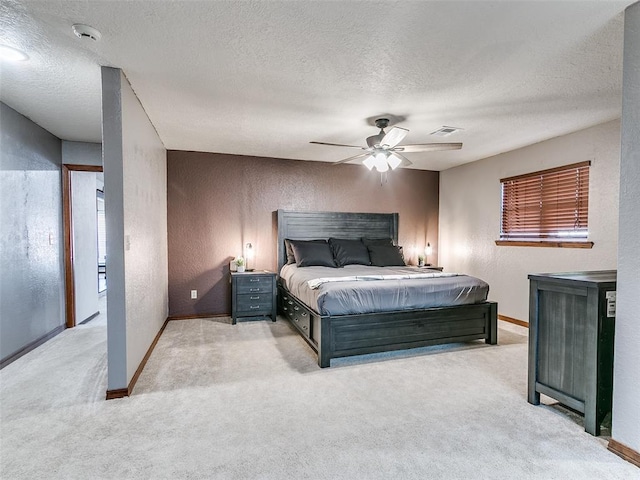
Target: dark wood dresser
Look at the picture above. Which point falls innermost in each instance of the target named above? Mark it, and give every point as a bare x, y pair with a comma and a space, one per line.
571, 330
253, 295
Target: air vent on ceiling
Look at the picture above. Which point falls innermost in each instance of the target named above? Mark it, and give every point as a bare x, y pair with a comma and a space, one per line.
445, 131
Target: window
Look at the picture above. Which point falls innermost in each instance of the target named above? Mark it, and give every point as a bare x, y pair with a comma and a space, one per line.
549, 207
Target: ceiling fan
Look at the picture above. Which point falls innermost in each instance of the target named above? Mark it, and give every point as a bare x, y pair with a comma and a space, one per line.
383, 150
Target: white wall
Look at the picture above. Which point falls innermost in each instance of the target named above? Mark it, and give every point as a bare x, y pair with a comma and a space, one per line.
470, 215
136, 216
145, 228
85, 243
626, 377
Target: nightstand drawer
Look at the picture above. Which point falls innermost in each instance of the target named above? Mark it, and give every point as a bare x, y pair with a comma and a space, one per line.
254, 298
257, 309
254, 303
254, 284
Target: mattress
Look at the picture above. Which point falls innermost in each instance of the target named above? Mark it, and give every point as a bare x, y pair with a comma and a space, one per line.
356, 289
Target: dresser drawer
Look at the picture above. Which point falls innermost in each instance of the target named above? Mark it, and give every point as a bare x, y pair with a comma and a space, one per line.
254, 284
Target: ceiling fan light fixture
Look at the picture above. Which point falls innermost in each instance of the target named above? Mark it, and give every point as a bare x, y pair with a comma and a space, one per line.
382, 168
394, 161
369, 162
381, 162
383, 151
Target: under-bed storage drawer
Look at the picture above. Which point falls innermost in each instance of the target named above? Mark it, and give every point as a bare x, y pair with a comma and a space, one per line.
296, 313
301, 319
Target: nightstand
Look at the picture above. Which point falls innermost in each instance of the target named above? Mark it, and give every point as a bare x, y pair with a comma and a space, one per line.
433, 267
253, 295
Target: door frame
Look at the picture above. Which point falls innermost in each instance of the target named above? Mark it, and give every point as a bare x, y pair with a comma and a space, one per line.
67, 221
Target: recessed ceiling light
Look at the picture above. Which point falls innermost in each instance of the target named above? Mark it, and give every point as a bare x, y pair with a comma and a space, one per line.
86, 32
445, 131
12, 54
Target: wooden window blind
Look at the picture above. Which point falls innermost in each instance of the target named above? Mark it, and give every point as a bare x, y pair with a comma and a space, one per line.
550, 204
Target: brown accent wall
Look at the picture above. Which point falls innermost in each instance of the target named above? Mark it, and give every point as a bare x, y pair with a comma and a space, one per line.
217, 203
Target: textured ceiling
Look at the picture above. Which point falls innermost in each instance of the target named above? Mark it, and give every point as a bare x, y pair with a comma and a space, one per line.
266, 77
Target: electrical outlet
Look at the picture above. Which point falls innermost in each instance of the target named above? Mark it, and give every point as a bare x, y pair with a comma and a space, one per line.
194, 294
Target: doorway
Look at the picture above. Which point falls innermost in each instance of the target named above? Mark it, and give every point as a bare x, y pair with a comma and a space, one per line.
81, 242
102, 235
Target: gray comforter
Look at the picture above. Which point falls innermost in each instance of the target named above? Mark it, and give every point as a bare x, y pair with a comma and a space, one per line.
365, 294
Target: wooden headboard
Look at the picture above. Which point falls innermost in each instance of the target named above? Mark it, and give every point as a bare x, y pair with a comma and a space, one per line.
313, 225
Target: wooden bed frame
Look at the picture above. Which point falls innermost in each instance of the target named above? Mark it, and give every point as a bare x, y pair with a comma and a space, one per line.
346, 335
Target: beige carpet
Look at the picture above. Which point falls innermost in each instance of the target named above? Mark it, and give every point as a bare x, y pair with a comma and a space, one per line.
249, 402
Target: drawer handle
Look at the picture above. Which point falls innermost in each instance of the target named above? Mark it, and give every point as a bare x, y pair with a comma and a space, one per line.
253, 307
254, 280
285, 298
255, 298
285, 308
254, 289
304, 327
290, 302
297, 320
296, 308
304, 314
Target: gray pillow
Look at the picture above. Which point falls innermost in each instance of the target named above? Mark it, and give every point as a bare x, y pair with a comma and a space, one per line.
310, 254
291, 258
386, 256
349, 252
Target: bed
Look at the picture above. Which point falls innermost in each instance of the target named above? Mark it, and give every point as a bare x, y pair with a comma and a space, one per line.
335, 329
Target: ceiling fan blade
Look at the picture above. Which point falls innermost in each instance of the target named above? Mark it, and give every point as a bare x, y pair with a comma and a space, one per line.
355, 157
428, 147
405, 161
338, 145
393, 137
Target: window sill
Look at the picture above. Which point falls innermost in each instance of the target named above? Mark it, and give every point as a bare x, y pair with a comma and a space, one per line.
543, 243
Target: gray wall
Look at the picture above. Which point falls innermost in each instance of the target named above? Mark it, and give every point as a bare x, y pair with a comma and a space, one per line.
114, 213
626, 383
135, 175
85, 243
31, 247
81, 153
